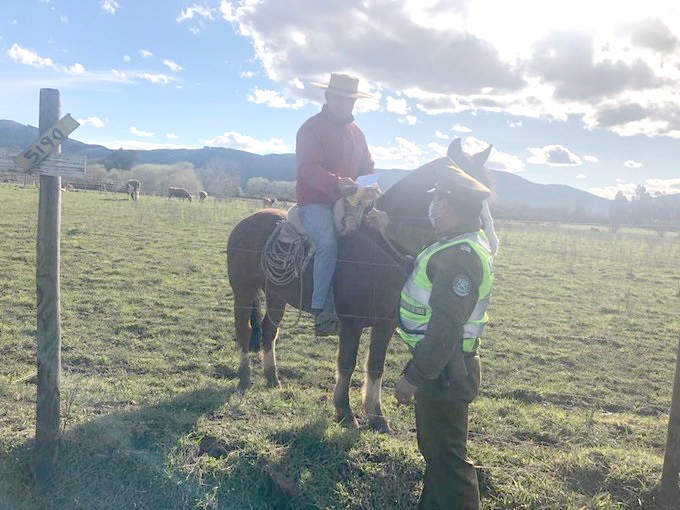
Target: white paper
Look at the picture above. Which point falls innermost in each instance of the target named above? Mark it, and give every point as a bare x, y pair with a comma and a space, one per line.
368, 180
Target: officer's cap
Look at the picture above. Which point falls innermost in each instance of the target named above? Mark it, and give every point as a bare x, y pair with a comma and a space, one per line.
454, 182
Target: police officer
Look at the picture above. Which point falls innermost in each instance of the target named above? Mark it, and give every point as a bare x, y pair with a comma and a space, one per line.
442, 315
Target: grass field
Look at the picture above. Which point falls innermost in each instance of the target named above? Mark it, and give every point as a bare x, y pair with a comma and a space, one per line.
578, 364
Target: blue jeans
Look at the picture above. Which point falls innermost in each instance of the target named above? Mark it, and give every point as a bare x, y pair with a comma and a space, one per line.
318, 221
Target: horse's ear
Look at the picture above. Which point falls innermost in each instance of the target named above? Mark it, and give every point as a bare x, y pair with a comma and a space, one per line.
455, 150
480, 158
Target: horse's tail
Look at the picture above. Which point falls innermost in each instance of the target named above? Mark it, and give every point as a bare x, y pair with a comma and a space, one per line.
256, 323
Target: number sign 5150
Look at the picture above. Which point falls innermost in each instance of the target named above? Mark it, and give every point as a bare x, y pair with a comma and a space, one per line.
47, 143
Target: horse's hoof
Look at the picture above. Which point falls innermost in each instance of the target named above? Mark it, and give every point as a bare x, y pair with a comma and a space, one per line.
348, 421
243, 385
273, 383
380, 424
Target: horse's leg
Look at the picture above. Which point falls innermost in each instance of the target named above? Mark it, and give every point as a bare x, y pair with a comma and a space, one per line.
375, 364
270, 332
243, 303
350, 332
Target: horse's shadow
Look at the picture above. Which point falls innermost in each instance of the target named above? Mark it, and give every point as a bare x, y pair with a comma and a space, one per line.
118, 459
323, 466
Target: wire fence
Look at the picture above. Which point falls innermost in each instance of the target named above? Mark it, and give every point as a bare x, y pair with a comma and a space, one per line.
587, 403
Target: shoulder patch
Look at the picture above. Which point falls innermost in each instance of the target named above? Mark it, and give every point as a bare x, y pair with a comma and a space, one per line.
461, 285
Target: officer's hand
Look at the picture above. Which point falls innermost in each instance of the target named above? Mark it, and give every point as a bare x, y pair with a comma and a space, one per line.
377, 219
347, 186
404, 391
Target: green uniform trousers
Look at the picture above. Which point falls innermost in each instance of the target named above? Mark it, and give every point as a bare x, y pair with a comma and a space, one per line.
450, 478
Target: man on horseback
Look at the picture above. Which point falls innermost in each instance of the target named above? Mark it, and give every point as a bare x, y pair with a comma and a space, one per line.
331, 153
441, 318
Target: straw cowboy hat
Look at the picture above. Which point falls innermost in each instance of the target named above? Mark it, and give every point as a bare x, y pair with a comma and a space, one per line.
343, 85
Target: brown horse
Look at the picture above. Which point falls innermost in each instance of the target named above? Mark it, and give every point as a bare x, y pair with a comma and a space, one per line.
368, 281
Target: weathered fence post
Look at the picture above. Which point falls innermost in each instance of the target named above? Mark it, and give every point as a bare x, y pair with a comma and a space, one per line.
43, 157
48, 256
668, 492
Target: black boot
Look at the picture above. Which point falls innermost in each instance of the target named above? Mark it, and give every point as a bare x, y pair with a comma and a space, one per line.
326, 322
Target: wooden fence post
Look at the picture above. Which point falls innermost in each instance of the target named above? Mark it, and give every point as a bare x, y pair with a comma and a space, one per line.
668, 492
49, 313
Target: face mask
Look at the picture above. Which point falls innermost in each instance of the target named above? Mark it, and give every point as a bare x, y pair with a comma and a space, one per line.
430, 214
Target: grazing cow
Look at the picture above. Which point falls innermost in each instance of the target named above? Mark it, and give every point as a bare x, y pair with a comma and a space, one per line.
180, 193
133, 187
268, 201
202, 195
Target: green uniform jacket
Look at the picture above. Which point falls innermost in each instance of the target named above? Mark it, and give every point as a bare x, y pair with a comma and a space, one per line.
439, 367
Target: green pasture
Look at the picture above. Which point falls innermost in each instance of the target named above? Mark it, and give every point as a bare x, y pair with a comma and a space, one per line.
578, 364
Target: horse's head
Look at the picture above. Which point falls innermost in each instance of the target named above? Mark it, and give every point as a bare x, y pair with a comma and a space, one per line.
408, 200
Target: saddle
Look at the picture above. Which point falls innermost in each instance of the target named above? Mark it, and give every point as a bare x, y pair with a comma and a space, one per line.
289, 248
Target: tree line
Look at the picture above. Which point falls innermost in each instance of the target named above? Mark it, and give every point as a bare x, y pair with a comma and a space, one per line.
222, 178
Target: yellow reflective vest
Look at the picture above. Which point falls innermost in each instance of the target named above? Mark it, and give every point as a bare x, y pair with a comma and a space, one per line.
415, 311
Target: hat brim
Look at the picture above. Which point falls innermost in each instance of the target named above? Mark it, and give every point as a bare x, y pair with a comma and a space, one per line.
353, 95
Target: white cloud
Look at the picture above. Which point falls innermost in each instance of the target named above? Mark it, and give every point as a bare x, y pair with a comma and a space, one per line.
91, 121
196, 16
506, 163
405, 154
172, 65
398, 106
273, 99
233, 140
632, 164
409, 120
32, 59
653, 186
194, 12
628, 190
155, 78
441, 135
138, 132
63, 19
127, 58
582, 60
145, 53
517, 124
580, 176
590, 159
553, 155
460, 129
172, 136
28, 57
109, 6
663, 186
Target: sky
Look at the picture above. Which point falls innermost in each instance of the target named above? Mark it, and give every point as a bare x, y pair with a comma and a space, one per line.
584, 93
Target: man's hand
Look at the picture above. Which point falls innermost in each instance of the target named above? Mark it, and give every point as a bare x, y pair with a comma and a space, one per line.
404, 391
347, 186
377, 219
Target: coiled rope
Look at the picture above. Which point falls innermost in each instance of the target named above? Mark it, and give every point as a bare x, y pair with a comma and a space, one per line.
284, 257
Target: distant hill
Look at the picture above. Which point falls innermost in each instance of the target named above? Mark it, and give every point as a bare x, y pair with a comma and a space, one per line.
511, 191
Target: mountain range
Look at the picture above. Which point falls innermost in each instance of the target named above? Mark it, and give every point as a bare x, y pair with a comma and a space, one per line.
512, 192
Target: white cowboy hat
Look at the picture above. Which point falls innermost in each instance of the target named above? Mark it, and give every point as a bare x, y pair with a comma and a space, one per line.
343, 85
